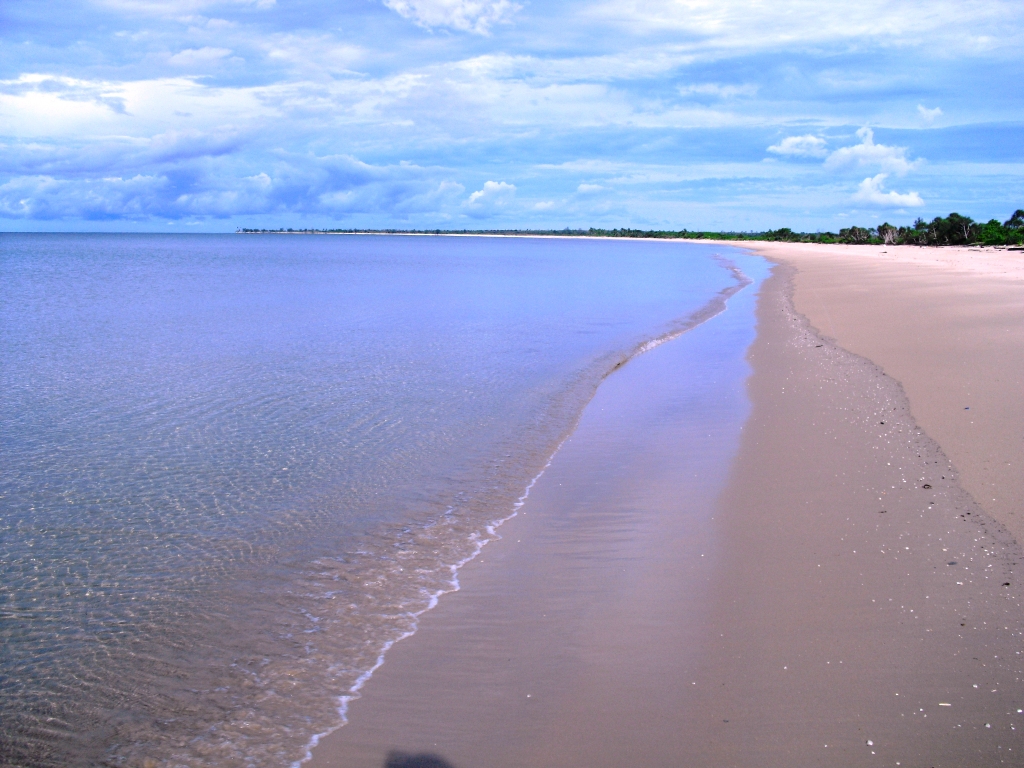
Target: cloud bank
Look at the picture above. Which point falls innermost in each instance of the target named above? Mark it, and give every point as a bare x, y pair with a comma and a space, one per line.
647, 113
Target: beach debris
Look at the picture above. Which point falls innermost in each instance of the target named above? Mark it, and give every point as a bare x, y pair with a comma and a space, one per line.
881, 511
945, 704
926, 486
871, 743
951, 562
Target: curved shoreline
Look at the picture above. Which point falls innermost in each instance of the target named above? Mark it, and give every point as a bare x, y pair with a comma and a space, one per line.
713, 307
846, 602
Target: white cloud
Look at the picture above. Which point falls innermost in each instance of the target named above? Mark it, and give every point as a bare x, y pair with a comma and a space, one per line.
310, 56
718, 91
589, 189
868, 154
871, 192
39, 106
191, 57
733, 24
928, 115
468, 15
38, 88
494, 196
800, 146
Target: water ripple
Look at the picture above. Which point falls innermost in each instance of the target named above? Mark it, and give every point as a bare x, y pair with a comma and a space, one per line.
233, 469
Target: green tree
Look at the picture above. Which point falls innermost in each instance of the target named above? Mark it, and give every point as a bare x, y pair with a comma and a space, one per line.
888, 234
854, 235
784, 234
952, 230
992, 233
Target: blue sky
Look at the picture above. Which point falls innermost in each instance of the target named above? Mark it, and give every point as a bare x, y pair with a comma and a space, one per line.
198, 115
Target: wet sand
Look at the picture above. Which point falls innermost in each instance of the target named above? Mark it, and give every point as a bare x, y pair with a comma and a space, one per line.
781, 590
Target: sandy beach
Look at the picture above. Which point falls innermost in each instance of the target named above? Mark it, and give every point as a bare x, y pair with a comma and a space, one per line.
948, 324
837, 586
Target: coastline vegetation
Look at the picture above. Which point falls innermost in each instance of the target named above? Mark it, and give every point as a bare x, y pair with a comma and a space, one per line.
951, 230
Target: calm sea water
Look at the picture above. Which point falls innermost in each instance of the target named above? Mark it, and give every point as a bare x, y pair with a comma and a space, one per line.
234, 468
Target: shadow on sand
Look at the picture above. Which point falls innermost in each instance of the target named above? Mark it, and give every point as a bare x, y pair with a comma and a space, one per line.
405, 760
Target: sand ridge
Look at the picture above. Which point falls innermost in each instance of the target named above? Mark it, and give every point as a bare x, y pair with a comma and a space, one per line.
948, 324
866, 602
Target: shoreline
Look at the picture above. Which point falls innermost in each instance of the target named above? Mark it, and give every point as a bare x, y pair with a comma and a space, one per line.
452, 675
712, 308
825, 510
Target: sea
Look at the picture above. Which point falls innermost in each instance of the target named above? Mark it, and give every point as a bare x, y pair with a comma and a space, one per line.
236, 469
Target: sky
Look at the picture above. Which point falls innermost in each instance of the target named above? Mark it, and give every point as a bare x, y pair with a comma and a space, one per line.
208, 115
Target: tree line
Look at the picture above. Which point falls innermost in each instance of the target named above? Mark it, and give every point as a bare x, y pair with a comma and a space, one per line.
950, 230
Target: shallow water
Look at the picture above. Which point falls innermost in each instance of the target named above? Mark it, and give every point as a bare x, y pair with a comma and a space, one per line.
575, 638
233, 468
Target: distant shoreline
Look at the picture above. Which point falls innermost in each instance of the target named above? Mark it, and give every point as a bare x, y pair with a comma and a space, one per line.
534, 233
954, 230
736, 242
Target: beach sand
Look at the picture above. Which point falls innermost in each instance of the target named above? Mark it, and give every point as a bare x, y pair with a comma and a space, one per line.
826, 608
948, 324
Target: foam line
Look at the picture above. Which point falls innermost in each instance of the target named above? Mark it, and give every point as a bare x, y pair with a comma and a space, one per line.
712, 309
